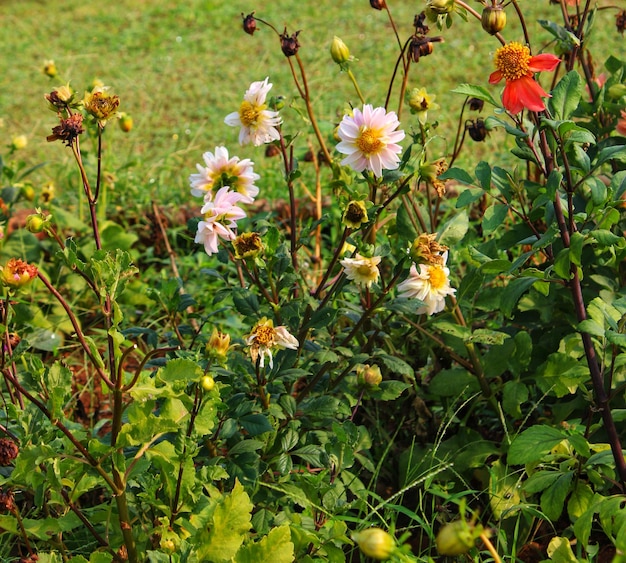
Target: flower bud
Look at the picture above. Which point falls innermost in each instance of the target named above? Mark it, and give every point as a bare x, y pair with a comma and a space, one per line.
369, 376
620, 21
339, 51
218, 345
493, 19
355, 214
378, 4
249, 23
475, 104
48, 192
19, 142
440, 6
126, 122
50, 69
28, 192
457, 538
375, 543
35, 223
208, 383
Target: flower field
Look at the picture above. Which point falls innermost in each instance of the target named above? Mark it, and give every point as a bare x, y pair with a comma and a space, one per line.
356, 315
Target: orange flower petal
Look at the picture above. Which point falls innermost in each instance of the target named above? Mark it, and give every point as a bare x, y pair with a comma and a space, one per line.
523, 93
546, 61
495, 77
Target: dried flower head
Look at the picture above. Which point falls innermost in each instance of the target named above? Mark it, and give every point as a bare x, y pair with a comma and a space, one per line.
101, 105
477, 129
355, 214
17, 273
247, 245
61, 98
68, 131
7, 501
264, 338
422, 46
378, 4
475, 104
620, 21
8, 451
430, 172
48, 192
249, 23
289, 44
426, 250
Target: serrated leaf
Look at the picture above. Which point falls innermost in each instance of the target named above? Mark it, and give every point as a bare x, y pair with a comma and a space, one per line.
457, 174
553, 498
276, 547
229, 527
454, 230
474, 91
532, 444
512, 293
579, 501
255, 424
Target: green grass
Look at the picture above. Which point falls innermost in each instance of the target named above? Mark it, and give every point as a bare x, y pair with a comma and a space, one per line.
180, 68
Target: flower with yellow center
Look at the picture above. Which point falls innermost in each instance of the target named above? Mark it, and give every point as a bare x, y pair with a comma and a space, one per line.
369, 139
361, 270
430, 284
515, 64
258, 124
265, 337
101, 105
420, 101
17, 273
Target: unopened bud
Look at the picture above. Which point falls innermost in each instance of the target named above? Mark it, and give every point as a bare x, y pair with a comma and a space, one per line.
218, 345
378, 4
339, 51
440, 6
126, 122
375, 543
249, 23
493, 19
35, 223
369, 376
49, 69
289, 43
457, 538
19, 142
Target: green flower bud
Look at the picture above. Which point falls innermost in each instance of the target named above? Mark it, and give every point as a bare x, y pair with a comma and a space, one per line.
35, 223
493, 19
375, 543
339, 51
369, 376
457, 538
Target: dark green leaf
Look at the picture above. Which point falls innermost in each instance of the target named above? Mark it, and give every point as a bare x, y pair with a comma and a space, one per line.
532, 444
566, 95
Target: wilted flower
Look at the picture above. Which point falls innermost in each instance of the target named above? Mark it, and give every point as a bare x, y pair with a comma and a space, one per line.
620, 21
477, 129
378, 4
249, 23
17, 273
49, 68
422, 46
218, 345
68, 130
247, 245
60, 98
19, 142
369, 139
430, 172
8, 451
620, 128
420, 102
375, 543
289, 44
515, 64
223, 171
475, 104
368, 376
430, 284
426, 250
101, 105
220, 219
355, 214
258, 124
361, 270
265, 337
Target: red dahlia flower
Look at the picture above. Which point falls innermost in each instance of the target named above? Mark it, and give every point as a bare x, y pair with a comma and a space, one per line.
517, 66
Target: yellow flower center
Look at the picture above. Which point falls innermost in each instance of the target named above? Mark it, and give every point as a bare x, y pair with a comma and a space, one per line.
264, 335
369, 141
437, 277
513, 61
249, 113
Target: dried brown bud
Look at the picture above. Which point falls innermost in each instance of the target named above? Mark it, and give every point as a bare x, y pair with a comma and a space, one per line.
476, 104
476, 129
422, 46
249, 23
289, 44
248, 245
68, 130
7, 501
271, 151
378, 4
8, 451
620, 21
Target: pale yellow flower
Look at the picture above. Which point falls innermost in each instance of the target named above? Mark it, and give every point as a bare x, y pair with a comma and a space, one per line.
361, 270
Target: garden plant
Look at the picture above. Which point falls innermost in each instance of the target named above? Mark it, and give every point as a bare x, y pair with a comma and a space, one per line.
401, 347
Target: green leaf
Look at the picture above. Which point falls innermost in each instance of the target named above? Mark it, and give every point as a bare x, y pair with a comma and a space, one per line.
473, 91
488, 336
454, 230
452, 382
396, 365
483, 173
494, 216
580, 500
229, 527
553, 498
513, 292
276, 547
566, 96
469, 196
514, 393
560, 551
457, 174
532, 444
255, 424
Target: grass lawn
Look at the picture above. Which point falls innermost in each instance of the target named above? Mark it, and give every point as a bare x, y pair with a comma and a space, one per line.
180, 68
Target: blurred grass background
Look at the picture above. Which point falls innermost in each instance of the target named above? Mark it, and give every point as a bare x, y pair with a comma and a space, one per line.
180, 67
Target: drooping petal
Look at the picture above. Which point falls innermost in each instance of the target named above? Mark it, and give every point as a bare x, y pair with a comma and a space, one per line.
495, 77
530, 92
545, 61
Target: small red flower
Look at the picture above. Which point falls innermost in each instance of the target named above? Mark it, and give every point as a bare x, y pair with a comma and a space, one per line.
621, 124
515, 64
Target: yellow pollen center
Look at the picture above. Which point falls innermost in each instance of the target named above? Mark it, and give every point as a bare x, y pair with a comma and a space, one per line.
265, 335
369, 141
437, 277
513, 61
249, 113
365, 270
